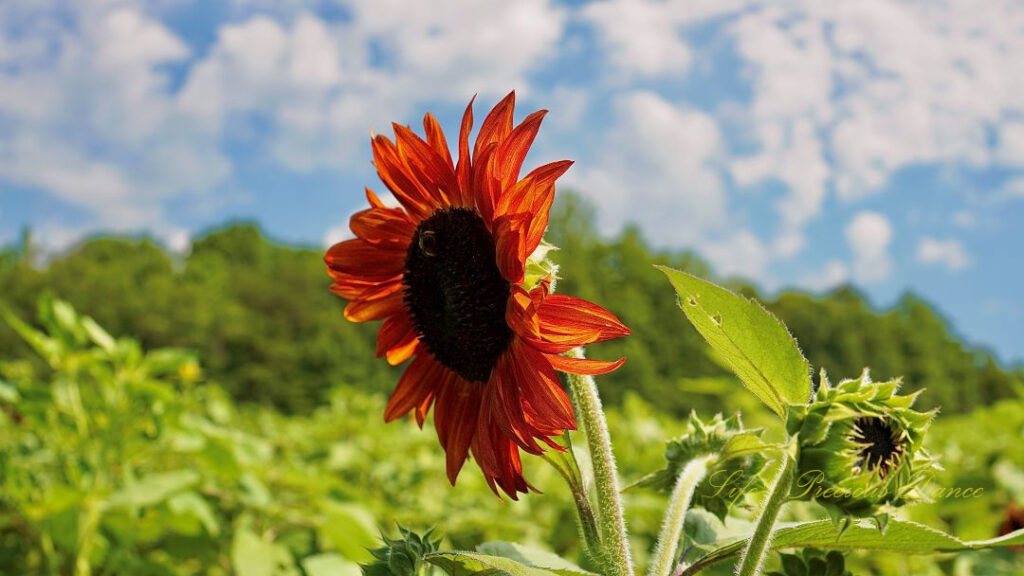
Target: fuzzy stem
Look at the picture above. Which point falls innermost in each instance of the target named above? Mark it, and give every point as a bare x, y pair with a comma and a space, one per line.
672, 527
752, 562
584, 511
610, 520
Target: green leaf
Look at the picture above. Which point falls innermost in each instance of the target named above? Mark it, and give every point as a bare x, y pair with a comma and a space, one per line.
466, 563
192, 505
900, 536
532, 557
329, 565
253, 556
793, 565
48, 348
8, 393
98, 335
745, 444
754, 343
351, 530
153, 489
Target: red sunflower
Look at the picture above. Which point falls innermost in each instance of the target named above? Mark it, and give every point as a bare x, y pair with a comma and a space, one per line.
445, 273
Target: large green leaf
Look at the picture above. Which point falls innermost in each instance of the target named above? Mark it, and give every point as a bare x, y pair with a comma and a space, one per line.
467, 563
329, 565
754, 343
532, 557
900, 536
350, 529
47, 348
253, 556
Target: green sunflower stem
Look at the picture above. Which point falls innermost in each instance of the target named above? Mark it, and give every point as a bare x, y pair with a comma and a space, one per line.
672, 527
752, 561
610, 520
568, 468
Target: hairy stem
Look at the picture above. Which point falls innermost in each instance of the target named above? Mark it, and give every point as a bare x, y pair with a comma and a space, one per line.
672, 526
567, 467
752, 561
610, 520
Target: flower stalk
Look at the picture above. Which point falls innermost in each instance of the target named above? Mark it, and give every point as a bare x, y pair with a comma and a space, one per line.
567, 467
610, 519
752, 561
672, 527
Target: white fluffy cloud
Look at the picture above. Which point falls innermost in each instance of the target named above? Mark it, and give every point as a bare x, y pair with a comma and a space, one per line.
869, 235
644, 38
742, 254
660, 168
88, 117
317, 83
831, 275
877, 86
94, 114
949, 253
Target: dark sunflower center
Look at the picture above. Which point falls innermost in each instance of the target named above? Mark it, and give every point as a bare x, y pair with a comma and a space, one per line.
455, 293
882, 444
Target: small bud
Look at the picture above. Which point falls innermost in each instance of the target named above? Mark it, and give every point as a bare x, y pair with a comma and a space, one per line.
402, 556
732, 475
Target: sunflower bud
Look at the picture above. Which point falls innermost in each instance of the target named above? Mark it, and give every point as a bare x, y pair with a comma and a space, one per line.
402, 556
861, 448
731, 475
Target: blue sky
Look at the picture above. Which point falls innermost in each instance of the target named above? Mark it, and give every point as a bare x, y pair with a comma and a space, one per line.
803, 144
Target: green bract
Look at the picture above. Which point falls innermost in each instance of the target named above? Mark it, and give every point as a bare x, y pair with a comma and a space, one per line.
730, 476
402, 556
860, 448
539, 267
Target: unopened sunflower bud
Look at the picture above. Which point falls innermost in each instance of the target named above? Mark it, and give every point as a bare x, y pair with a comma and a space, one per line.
732, 474
402, 556
861, 449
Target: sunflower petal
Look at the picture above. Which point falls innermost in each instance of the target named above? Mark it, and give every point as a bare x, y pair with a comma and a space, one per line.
539, 221
434, 174
388, 227
527, 195
509, 243
507, 410
562, 315
354, 288
421, 378
521, 313
455, 413
435, 137
362, 259
396, 339
485, 186
394, 173
366, 310
513, 149
497, 125
540, 389
584, 366
373, 199
464, 169
498, 458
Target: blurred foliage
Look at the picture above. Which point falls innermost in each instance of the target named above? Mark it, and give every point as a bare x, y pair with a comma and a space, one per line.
260, 316
119, 460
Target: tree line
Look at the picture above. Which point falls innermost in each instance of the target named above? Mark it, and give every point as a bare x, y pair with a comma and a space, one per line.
266, 328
